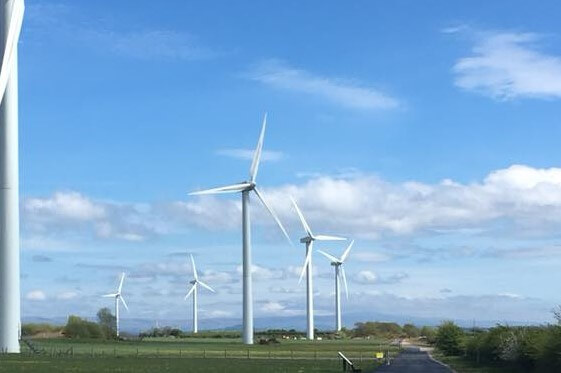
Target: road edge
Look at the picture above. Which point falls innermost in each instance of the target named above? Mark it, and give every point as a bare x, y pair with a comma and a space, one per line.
440, 362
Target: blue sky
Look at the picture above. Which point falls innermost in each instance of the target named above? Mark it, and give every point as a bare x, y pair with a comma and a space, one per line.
428, 132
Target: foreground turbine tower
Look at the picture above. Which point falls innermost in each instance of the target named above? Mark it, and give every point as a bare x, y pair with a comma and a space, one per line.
118, 297
194, 291
245, 188
339, 271
11, 17
307, 268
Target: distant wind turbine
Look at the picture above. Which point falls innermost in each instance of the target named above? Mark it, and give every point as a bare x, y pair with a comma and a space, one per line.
245, 188
194, 291
11, 18
339, 270
307, 268
118, 297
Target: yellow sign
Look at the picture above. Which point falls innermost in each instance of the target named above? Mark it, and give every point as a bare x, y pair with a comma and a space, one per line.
379, 355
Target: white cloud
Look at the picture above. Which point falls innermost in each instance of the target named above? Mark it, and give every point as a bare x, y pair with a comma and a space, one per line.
349, 94
65, 205
71, 212
509, 65
263, 273
37, 295
67, 295
273, 307
366, 277
371, 257
247, 154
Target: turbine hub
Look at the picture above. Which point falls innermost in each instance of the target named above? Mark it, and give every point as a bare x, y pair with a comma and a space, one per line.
306, 239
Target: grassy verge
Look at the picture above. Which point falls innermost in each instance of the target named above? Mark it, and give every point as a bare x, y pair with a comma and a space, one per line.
461, 365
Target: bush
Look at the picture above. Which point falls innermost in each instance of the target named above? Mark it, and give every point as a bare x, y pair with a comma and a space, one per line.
449, 338
77, 327
31, 329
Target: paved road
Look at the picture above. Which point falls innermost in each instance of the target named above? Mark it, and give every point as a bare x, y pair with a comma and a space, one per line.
413, 360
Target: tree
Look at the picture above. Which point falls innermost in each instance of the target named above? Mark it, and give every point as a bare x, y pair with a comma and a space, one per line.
77, 327
107, 321
449, 338
410, 330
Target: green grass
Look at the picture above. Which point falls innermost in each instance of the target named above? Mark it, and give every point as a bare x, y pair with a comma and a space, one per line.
144, 364
461, 365
191, 355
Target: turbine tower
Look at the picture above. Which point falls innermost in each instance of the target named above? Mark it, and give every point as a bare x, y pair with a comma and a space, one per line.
118, 297
307, 268
11, 18
194, 291
245, 188
339, 273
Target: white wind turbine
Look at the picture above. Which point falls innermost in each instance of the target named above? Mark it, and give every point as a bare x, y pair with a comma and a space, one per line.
307, 268
245, 188
194, 291
118, 297
11, 18
339, 271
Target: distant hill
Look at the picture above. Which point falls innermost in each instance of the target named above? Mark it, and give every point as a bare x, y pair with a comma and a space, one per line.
133, 325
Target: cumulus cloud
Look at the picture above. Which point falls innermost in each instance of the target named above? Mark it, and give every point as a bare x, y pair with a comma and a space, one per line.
366, 277
524, 199
509, 65
350, 94
36, 295
71, 211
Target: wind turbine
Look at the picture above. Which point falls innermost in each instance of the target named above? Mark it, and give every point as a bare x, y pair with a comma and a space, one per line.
118, 297
339, 270
245, 188
11, 18
307, 268
193, 291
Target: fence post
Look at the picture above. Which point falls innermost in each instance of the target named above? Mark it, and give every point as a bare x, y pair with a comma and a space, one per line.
361, 356
292, 354
248, 353
315, 354
137, 352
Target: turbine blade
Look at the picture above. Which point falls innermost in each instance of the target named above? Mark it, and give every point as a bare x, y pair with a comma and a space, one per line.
124, 303
121, 283
257, 155
328, 256
306, 262
323, 237
190, 291
301, 216
223, 189
109, 295
14, 30
347, 251
272, 214
194, 268
345, 282
206, 286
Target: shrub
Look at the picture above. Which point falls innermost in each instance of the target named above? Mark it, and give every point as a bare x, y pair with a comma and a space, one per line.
449, 338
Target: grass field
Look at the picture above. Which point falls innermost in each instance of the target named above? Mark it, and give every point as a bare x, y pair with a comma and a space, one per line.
191, 355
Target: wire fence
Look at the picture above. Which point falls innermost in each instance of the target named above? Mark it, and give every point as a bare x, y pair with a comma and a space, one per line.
131, 351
